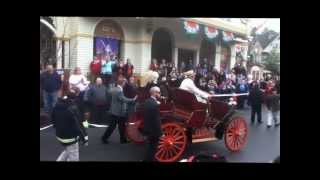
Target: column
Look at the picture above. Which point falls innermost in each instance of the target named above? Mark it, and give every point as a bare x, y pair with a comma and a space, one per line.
66, 54
197, 56
145, 57
218, 57
232, 56
175, 56
59, 53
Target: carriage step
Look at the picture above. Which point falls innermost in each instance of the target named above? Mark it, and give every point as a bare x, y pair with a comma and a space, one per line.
204, 140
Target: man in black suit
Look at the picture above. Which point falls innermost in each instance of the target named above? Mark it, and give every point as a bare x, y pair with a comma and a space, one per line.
118, 111
152, 123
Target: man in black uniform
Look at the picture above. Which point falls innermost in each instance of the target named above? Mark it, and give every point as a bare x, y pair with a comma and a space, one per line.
152, 123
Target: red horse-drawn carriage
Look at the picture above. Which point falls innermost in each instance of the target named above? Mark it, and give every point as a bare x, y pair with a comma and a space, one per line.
185, 120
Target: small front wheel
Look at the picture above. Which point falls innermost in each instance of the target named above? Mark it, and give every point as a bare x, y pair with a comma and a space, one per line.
236, 133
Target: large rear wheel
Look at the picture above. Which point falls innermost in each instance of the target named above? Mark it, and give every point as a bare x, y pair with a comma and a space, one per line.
172, 144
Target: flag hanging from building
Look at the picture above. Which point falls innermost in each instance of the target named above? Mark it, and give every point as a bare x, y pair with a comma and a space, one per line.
211, 32
191, 27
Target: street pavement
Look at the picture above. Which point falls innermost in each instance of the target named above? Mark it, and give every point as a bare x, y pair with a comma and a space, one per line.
263, 145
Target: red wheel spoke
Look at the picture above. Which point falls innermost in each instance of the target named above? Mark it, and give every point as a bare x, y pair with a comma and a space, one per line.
178, 138
178, 143
179, 148
171, 153
160, 152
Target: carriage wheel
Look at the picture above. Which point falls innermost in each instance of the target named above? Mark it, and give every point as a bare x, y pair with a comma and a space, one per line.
236, 133
172, 144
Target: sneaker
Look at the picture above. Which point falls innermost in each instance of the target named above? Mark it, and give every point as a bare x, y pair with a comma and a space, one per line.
276, 125
268, 126
260, 122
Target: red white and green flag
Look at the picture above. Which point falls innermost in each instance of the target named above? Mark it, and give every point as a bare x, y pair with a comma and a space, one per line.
211, 32
191, 27
227, 36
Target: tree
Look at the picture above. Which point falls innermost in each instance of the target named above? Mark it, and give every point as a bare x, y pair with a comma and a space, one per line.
272, 62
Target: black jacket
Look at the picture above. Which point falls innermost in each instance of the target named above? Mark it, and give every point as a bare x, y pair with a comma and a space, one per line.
67, 121
50, 82
152, 123
255, 97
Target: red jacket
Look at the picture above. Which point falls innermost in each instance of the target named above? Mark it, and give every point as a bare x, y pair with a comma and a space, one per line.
128, 70
95, 67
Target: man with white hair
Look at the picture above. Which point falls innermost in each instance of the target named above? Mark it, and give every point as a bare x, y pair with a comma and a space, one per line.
152, 123
188, 84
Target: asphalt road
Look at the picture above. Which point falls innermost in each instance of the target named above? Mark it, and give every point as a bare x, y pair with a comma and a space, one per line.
263, 145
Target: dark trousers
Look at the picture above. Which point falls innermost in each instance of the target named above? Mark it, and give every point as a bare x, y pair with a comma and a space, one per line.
151, 148
255, 109
98, 114
114, 121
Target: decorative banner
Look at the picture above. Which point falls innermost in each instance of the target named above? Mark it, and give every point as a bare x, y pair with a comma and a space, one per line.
211, 32
106, 46
191, 27
227, 36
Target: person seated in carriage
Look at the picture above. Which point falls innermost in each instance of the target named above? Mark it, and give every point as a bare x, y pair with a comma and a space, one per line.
188, 85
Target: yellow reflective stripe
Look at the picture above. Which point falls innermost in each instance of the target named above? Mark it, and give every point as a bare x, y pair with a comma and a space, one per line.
85, 124
66, 140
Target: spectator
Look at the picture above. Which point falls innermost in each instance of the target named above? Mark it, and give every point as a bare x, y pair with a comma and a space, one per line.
130, 90
242, 88
118, 112
203, 84
230, 88
78, 80
163, 68
182, 68
120, 69
129, 69
106, 70
95, 68
170, 66
164, 87
189, 66
50, 83
212, 87
154, 65
98, 98
273, 106
67, 123
173, 74
255, 99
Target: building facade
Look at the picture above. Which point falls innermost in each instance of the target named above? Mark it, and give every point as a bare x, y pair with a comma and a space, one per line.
79, 39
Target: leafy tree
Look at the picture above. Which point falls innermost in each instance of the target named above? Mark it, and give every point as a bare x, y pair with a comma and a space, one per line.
272, 62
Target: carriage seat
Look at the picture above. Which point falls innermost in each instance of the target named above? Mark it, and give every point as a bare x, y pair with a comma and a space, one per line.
186, 106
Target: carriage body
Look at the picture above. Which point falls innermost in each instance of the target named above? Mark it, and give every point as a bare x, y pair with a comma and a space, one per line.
185, 120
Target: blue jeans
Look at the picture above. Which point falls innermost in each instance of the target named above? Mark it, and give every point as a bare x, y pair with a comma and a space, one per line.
50, 100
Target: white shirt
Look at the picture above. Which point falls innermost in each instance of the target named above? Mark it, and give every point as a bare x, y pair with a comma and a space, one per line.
188, 84
79, 81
